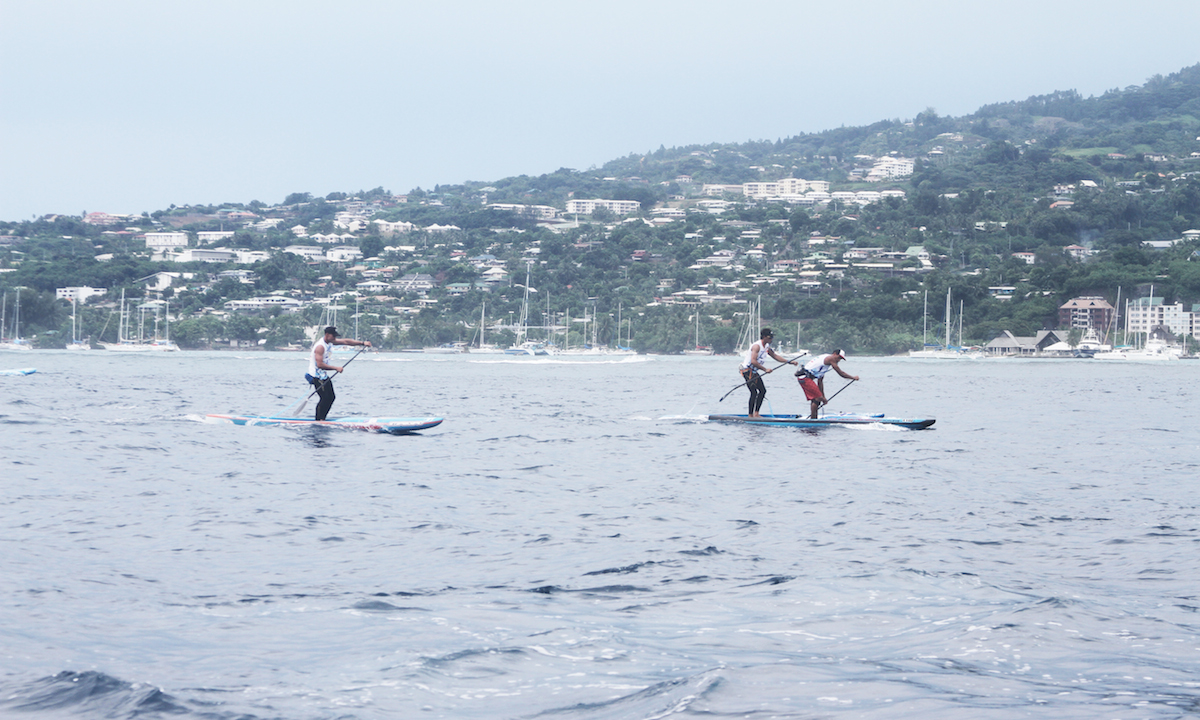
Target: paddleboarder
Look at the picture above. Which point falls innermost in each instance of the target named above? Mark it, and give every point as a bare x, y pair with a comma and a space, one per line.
753, 369
319, 367
812, 377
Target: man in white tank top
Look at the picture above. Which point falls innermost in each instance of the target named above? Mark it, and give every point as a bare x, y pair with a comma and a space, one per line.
319, 368
812, 377
753, 366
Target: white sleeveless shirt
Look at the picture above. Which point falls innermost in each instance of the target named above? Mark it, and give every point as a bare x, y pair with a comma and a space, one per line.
763, 355
326, 355
817, 366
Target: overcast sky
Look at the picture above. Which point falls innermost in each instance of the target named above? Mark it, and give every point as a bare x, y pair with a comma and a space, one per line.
127, 106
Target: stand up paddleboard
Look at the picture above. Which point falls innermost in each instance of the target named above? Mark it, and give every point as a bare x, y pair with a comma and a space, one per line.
19, 371
828, 420
392, 426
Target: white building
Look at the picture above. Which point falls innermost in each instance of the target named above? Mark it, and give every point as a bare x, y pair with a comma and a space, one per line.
208, 237
212, 255
541, 212
388, 229
669, 212
245, 277
373, 286
587, 207
1144, 314
308, 252
344, 253
79, 294
161, 280
249, 257
166, 240
711, 190
265, 303
890, 167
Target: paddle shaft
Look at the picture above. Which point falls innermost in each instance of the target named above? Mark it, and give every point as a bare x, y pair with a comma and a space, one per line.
743, 383
838, 392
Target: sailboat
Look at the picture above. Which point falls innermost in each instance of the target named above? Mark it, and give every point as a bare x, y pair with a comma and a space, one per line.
750, 331
699, 349
947, 351
76, 343
525, 346
125, 343
483, 347
14, 342
1156, 347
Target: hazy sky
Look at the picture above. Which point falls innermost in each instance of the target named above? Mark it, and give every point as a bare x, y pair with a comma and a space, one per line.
127, 106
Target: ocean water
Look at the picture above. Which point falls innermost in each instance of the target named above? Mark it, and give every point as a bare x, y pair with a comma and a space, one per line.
576, 541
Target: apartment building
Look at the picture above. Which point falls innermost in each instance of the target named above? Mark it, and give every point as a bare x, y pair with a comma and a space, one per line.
166, 240
1144, 314
1084, 313
587, 207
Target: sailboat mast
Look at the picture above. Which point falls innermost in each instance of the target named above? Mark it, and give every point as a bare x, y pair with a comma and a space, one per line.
947, 345
925, 321
960, 324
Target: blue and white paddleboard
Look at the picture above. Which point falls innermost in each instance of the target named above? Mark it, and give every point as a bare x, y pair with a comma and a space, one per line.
827, 421
393, 426
19, 371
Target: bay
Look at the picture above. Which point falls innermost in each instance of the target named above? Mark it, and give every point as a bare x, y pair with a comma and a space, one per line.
577, 541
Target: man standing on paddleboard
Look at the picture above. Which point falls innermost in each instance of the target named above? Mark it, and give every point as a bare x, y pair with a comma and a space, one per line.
812, 377
753, 365
319, 367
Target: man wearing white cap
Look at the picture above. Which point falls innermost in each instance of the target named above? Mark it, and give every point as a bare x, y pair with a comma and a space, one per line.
812, 377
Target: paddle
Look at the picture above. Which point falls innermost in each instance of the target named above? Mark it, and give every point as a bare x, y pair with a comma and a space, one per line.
743, 383
298, 407
837, 393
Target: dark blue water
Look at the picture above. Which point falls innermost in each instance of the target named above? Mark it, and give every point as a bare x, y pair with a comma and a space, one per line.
575, 541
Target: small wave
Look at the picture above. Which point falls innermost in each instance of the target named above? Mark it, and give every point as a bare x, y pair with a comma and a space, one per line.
622, 570
606, 589
660, 700
710, 550
379, 606
91, 694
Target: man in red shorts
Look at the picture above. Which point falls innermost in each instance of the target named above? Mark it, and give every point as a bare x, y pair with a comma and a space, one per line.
812, 377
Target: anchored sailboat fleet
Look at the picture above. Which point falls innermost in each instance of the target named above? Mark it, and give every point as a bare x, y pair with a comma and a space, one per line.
76, 343
946, 351
14, 341
127, 343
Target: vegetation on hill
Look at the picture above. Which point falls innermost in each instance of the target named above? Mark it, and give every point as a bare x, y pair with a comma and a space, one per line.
1107, 173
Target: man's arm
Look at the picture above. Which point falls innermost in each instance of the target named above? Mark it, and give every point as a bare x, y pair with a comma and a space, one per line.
843, 372
319, 357
772, 353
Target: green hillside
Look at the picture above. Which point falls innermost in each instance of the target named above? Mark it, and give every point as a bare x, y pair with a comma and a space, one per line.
1107, 174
